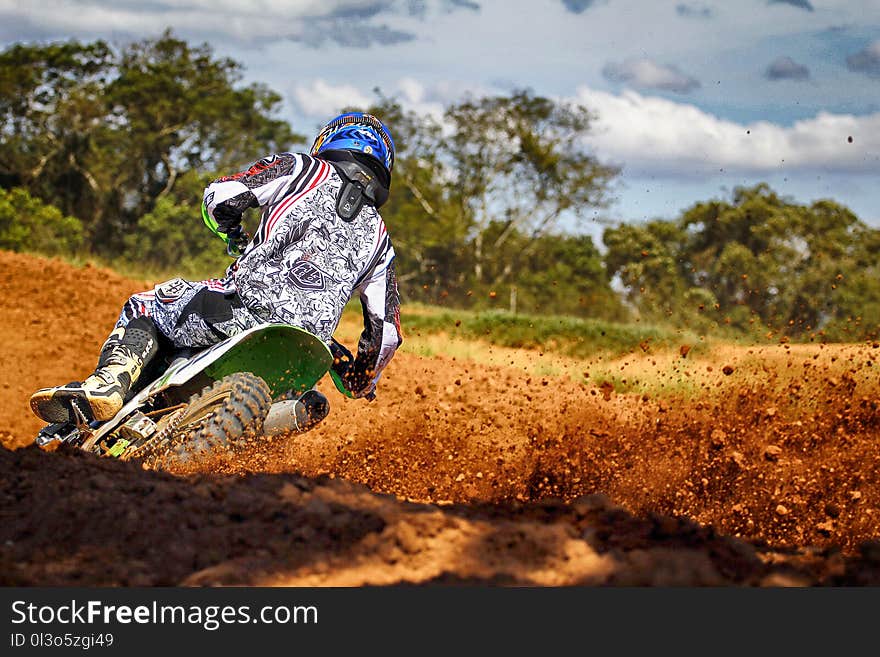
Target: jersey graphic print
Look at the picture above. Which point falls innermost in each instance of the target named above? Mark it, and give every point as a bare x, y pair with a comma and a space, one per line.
306, 276
171, 291
305, 262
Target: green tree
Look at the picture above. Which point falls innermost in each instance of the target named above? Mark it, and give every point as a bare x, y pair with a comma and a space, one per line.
476, 191
51, 107
646, 258
743, 252
758, 260
519, 160
838, 275
27, 224
172, 238
105, 133
430, 232
561, 275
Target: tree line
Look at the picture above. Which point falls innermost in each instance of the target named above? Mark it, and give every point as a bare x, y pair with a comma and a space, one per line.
106, 150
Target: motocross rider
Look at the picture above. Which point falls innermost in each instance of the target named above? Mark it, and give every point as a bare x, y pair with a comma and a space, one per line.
320, 240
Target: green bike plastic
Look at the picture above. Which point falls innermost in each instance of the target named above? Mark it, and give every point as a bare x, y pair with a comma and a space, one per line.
285, 357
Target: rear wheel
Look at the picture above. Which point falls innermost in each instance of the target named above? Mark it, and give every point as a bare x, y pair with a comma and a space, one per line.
218, 416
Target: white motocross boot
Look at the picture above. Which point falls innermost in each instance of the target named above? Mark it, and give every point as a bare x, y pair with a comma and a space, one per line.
101, 395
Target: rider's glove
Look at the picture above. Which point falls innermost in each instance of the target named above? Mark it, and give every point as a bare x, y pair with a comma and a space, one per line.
237, 241
358, 383
228, 213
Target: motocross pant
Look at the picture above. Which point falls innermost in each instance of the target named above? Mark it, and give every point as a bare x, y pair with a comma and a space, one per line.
203, 313
191, 313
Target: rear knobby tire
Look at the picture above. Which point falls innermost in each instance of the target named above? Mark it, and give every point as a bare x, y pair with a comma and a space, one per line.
221, 415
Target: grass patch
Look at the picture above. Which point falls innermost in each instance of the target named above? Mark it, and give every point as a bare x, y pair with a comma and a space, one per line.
567, 336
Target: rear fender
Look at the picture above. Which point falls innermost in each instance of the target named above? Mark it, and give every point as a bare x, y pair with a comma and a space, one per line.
284, 356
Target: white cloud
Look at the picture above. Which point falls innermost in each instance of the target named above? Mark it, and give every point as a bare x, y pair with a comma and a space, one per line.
656, 135
68, 18
320, 99
419, 98
648, 74
433, 98
357, 23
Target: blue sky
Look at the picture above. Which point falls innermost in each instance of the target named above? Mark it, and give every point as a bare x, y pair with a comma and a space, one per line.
691, 97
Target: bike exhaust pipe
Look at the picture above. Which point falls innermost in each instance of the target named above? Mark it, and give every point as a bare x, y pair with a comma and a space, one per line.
296, 415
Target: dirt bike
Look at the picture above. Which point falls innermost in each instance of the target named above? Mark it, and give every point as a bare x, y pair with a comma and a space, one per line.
248, 383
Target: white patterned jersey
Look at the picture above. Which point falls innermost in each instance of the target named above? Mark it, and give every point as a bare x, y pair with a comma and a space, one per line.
305, 263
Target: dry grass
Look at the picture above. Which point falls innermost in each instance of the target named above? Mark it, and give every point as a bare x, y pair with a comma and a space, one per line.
675, 372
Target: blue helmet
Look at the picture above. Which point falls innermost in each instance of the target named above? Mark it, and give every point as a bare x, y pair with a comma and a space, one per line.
359, 132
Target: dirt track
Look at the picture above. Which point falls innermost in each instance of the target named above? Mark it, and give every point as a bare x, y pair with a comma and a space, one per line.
459, 473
